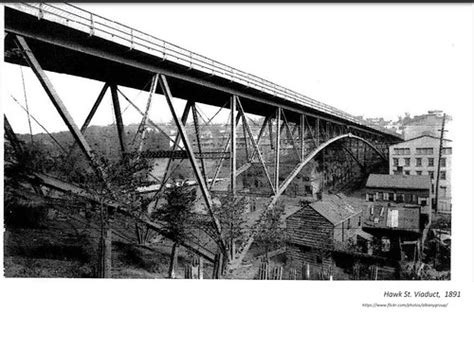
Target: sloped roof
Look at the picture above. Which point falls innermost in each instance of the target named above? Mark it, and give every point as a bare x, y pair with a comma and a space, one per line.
334, 208
393, 217
398, 181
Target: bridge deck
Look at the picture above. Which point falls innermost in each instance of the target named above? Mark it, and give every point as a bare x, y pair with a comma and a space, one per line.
69, 40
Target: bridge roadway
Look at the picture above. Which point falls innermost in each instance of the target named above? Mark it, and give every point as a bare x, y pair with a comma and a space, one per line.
66, 39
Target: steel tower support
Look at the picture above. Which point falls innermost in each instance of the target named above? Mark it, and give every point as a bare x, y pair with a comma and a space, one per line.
277, 149
233, 144
118, 119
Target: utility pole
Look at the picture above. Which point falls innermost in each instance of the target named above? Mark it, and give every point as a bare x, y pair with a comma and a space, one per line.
439, 162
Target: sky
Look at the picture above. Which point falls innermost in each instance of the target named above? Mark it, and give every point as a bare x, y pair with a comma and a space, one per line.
371, 60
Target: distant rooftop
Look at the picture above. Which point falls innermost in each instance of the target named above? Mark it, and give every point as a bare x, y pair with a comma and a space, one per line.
398, 181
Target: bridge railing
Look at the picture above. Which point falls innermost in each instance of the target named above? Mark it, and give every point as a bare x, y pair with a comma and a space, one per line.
95, 25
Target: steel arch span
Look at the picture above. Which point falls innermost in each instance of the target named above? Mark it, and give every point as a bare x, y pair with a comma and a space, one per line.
281, 189
311, 155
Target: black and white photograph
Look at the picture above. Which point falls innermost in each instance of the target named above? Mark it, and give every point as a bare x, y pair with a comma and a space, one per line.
324, 143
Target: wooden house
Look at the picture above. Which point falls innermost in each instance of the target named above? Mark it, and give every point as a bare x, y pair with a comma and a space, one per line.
328, 234
397, 226
321, 227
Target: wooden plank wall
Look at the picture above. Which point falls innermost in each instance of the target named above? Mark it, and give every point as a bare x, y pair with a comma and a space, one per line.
308, 228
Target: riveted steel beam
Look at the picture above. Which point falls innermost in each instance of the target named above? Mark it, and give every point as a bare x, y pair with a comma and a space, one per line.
118, 118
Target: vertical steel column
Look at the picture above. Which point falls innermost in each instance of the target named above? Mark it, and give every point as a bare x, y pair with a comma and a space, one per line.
318, 140
118, 118
233, 144
277, 150
270, 134
302, 133
198, 139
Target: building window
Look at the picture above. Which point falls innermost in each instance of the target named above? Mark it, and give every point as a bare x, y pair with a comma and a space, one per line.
395, 161
399, 198
407, 162
447, 151
423, 202
443, 175
430, 162
370, 197
390, 196
442, 162
307, 189
418, 173
401, 151
407, 173
431, 173
424, 151
443, 192
418, 162
385, 196
385, 244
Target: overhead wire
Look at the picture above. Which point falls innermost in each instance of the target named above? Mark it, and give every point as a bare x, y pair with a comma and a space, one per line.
26, 103
44, 128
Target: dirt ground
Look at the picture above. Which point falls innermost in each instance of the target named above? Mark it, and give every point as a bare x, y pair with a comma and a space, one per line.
62, 250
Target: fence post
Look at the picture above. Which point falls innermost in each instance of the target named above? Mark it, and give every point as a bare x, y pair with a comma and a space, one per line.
201, 269
187, 272
306, 272
277, 273
217, 266
105, 254
173, 261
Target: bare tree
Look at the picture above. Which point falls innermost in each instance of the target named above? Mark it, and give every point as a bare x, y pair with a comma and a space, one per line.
269, 230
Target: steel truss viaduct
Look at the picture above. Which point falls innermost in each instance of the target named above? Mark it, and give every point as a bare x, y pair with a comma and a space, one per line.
66, 39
